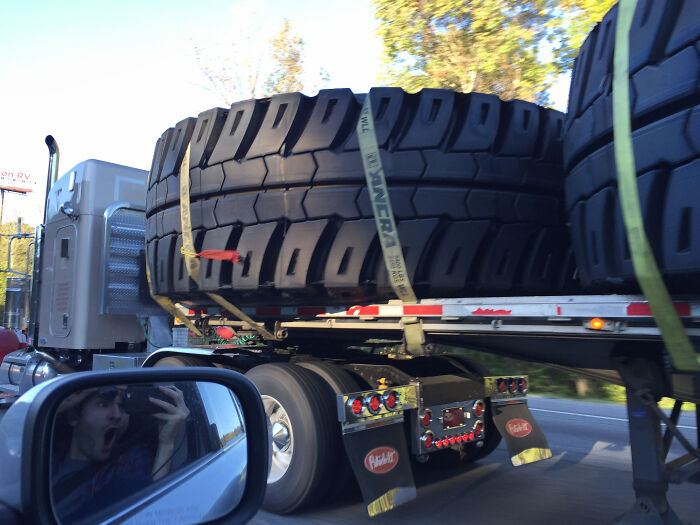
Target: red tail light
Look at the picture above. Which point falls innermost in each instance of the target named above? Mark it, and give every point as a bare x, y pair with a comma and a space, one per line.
512, 385
465, 437
374, 403
390, 400
459, 439
427, 418
471, 436
453, 440
522, 385
438, 444
478, 429
478, 409
502, 387
427, 440
358, 405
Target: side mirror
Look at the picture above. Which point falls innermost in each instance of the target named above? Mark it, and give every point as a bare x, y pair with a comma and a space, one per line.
148, 445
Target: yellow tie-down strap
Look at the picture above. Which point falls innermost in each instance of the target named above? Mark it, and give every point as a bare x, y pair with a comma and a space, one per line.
191, 258
646, 270
170, 307
386, 226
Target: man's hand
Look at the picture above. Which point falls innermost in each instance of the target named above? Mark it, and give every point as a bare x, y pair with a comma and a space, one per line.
74, 400
171, 420
173, 415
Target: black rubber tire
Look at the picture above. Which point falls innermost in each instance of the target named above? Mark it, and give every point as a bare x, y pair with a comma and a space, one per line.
664, 95
178, 361
313, 419
338, 381
466, 452
476, 186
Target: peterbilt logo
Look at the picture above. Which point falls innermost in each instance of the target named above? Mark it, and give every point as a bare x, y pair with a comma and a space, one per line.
381, 460
518, 428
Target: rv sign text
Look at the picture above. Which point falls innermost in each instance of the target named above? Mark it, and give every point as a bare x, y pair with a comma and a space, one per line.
19, 181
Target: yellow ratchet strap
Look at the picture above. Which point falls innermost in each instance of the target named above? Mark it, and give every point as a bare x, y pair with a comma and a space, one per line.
386, 226
170, 307
647, 272
191, 259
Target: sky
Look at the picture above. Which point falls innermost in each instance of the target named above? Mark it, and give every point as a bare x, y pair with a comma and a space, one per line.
106, 78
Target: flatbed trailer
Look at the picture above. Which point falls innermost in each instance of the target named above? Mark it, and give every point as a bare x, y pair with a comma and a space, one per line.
609, 337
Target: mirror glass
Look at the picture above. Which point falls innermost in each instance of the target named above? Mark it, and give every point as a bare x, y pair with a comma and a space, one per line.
148, 452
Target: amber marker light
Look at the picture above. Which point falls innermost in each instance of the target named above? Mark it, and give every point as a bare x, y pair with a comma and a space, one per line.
596, 323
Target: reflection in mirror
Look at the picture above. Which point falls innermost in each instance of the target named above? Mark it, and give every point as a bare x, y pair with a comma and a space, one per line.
120, 451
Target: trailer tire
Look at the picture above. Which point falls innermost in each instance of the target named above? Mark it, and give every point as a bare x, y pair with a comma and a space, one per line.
303, 458
664, 83
476, 186
338, 381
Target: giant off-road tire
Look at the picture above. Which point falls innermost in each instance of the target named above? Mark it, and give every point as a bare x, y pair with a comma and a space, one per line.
305, 444
476, 186
664, 83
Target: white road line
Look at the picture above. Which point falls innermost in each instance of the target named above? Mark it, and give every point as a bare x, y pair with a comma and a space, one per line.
596, 417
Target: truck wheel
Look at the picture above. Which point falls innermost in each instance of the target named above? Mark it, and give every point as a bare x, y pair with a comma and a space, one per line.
476, 186
179, 360
338, 381
664, 82
467, 452
305, 445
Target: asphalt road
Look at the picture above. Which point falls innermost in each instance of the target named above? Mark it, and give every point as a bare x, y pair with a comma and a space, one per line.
588, 480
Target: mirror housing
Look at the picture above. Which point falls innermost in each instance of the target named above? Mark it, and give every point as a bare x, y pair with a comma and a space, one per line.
26, 442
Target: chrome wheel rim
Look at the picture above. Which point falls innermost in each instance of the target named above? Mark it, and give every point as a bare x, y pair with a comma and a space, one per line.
282, 438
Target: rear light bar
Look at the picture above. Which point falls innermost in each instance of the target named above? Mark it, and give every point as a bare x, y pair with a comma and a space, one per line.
505, 387
360, 409
437, 427
429, 442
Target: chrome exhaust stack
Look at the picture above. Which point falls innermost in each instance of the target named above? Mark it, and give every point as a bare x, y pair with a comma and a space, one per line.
52, 177
53, 167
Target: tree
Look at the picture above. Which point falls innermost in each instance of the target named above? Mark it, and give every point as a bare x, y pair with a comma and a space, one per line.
233, 67
253, 64
513, 48
579, 18
287, 51
19, 254
469, 45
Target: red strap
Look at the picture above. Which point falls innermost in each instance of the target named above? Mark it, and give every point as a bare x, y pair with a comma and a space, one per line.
220, 255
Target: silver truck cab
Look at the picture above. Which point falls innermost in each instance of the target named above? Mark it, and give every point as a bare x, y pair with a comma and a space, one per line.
92, 285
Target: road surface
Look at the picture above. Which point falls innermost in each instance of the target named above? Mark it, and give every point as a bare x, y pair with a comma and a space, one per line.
588, 480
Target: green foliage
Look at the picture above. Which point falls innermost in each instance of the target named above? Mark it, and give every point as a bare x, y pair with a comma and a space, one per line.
287, 51
19, 253
580, 16
510, 48
469, 45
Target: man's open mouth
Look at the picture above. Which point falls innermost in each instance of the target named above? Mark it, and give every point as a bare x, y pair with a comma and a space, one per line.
109, 437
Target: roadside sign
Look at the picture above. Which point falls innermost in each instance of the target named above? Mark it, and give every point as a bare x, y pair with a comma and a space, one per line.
17, 181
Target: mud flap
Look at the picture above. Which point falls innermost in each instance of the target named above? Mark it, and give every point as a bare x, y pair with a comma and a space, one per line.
525, 441
380, 461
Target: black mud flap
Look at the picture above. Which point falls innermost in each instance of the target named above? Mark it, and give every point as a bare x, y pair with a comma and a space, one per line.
379, 458
525, 441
